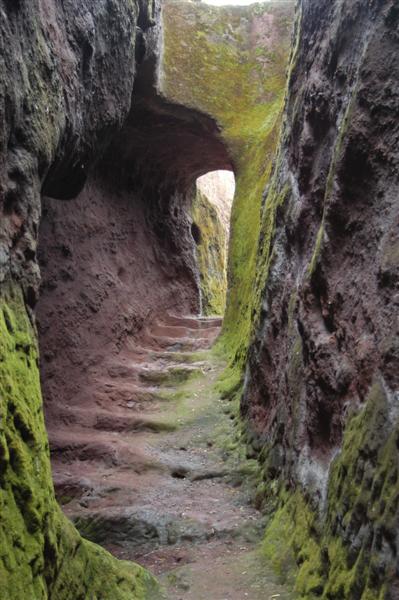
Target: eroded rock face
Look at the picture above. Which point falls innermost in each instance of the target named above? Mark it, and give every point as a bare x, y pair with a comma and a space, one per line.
326, 344
61, 101
72, 133
111, 261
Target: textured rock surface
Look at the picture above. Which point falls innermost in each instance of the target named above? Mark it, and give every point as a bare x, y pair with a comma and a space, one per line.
41, 553
70, 132
111, 261
61, 100
321, 387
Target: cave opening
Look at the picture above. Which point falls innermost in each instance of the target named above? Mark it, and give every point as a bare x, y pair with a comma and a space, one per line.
120, 252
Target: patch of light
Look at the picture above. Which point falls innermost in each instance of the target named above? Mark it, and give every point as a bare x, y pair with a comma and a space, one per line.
219, 187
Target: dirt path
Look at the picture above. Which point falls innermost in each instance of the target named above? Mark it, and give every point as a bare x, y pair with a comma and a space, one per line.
153, 479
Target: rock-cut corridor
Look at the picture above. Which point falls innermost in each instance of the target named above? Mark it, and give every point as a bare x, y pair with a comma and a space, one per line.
199, 403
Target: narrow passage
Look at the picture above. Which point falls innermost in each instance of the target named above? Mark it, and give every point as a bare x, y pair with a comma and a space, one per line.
173, 495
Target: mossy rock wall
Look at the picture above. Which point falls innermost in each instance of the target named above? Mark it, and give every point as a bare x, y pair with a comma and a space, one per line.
41, 554
347, 551
320, 402
211, 248
230, 62
61, 100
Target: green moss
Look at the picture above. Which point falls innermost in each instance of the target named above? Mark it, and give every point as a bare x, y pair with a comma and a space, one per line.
41, 554
211, 255
178, 357
230, 383
212, 63
317, 250
242, 303
330, 556
363, 488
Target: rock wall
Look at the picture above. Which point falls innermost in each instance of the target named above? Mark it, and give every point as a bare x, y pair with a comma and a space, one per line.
320, 400
61, 100
119, 250
111, 262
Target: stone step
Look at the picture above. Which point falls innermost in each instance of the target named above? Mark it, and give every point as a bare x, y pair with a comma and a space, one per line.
169, 376
119, 420
175, 357
180, 331
152, 373
124, 394
106, 448
181, 345
147, 528
193, 322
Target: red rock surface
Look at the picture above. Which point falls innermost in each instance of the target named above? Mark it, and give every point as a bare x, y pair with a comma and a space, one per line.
106, 272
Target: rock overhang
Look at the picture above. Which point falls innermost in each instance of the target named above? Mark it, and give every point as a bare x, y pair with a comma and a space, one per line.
206, 91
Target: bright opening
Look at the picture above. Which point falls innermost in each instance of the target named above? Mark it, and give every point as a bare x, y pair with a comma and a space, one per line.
211, 231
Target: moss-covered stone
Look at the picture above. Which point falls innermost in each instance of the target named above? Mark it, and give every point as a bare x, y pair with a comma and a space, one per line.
41, 553
348, 552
